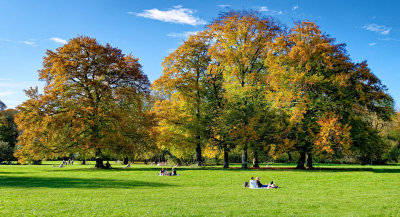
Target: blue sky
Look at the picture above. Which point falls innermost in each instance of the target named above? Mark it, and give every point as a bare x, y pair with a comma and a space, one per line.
152, 29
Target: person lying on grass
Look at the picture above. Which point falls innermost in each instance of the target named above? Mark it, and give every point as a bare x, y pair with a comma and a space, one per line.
271, 185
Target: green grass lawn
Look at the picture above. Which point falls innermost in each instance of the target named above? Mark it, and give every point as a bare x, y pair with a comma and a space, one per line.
343, 190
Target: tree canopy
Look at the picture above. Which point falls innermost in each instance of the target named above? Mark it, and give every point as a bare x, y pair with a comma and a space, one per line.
266, 88
244, 86
92, 103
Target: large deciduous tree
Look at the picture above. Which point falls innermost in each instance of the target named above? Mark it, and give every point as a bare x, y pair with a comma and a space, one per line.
92, 103
240, 42
183, 86
314, 81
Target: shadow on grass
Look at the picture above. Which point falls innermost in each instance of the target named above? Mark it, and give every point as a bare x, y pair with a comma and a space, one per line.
386, 170
6, 172
66, 182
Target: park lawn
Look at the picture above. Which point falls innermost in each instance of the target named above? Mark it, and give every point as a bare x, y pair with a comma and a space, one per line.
80, 190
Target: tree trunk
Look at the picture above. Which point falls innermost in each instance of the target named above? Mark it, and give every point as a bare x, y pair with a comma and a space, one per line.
309, 161
226, 157
99, 163
290, 157
126, 161
302, 159
198, 154
244, 158
145, 161
83, 162
99, 159
255, 160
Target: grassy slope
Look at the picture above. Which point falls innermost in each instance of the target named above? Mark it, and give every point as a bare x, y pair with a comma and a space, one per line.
138, 191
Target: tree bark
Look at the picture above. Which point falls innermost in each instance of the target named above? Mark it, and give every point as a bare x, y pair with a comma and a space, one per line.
99, 163
198, 154
226, 157
290, 156
99, 160
302, 159
83, 162
255, 160
309, 161
244, 158
126, 161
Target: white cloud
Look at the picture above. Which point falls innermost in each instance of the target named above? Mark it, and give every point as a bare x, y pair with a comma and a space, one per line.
390, 39
263, 9
6, 93
295, 8
58, 40
372, 44
30, 43
5, 40
177, 14
266, 10
224, 6
381, 29
183, 35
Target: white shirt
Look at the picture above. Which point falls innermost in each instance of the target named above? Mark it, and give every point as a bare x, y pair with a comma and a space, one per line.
253, 184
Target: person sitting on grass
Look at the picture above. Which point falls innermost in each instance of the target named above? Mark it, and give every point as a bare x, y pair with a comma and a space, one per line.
128, 165
252, 183
174, 172
162, 172
61, 165
271, 185
108, 165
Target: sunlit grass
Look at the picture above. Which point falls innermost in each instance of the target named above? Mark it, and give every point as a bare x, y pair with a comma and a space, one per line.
79, 190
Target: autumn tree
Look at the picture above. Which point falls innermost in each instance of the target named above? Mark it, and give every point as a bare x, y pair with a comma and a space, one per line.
314, 81
92, 103
240, 41
218, 131
181, 112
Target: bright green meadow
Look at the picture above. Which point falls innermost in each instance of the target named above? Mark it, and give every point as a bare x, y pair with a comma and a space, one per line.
80, 190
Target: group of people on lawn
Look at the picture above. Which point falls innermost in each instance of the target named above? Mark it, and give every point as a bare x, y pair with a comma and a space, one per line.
164, 172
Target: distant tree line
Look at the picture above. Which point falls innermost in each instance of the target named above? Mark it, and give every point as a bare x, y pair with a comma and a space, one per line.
246, 88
